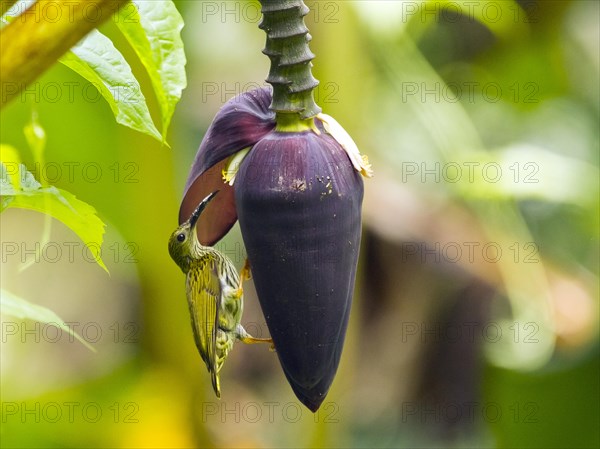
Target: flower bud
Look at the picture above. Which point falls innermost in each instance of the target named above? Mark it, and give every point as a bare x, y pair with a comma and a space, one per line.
299, 204
298, 198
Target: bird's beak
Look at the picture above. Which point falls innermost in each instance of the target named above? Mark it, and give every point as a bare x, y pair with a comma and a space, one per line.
200, 208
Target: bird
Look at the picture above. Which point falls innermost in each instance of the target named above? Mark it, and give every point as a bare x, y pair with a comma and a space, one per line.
214, 294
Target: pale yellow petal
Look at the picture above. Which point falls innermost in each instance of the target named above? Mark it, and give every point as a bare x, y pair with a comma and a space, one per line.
360, 162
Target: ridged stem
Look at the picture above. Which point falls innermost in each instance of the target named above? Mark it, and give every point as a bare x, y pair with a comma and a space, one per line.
290, 73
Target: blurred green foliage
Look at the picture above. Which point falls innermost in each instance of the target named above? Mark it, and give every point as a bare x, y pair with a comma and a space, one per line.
500, 82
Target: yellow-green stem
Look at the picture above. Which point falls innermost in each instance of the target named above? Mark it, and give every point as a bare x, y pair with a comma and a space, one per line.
31, 44
292, 123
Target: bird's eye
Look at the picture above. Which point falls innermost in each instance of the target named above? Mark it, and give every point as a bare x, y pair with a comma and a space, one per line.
181, 237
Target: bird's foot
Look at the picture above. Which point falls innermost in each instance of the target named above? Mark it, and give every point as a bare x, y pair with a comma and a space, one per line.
251, 340
245, 274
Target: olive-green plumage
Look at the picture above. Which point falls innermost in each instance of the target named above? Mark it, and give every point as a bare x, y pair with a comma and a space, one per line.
214, 294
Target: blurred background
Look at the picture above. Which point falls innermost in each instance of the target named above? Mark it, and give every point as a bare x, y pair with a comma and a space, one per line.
475, 317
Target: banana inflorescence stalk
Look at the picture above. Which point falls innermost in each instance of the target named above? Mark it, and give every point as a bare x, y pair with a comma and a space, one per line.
287, 48
291, 175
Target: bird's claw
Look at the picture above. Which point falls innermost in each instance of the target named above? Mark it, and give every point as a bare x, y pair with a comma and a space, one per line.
249, 340
246, 273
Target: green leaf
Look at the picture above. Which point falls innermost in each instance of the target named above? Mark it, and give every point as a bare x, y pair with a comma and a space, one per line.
153, 29
79, 216
98, 61
17, 307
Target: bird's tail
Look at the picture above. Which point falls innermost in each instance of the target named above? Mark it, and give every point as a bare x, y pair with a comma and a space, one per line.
216, 383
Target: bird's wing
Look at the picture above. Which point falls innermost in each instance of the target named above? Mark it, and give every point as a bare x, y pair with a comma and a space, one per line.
204, 296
